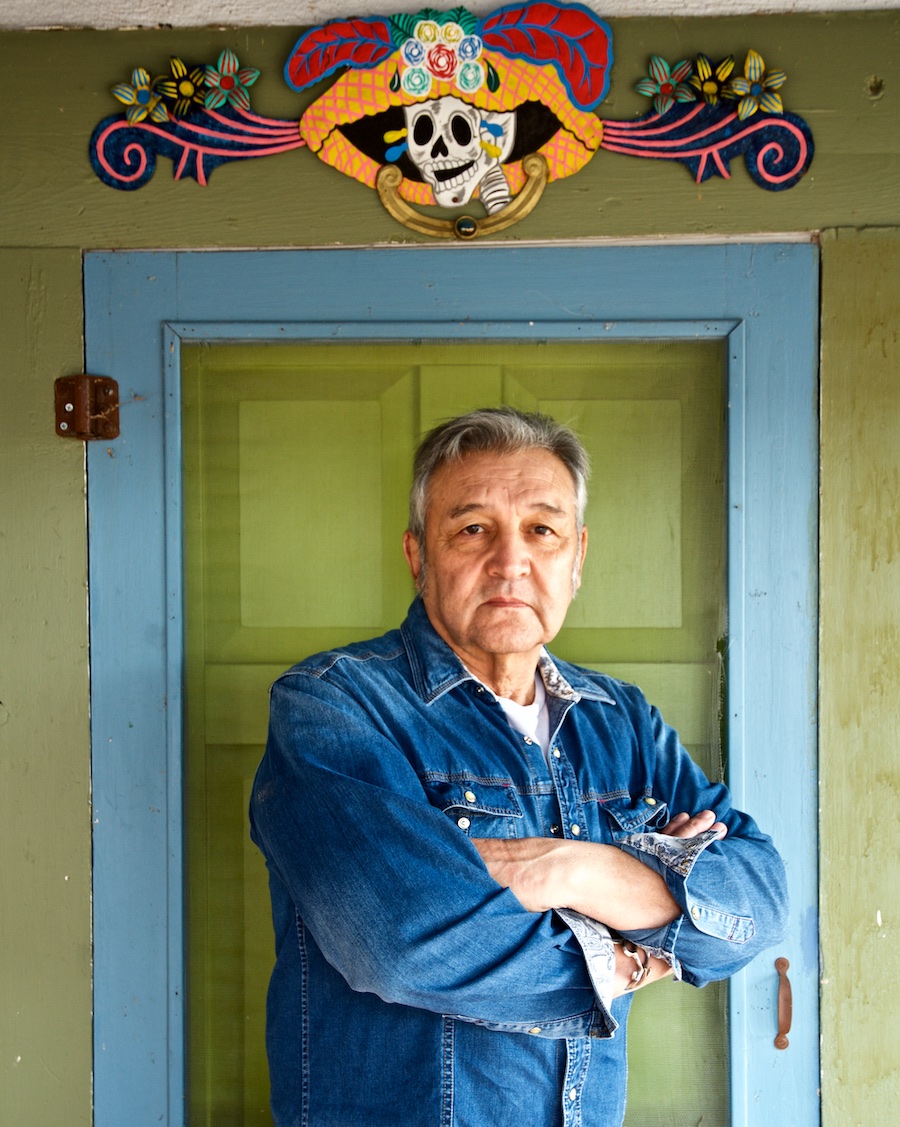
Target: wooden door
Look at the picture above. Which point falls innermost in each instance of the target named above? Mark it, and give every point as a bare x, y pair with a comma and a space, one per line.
297, 470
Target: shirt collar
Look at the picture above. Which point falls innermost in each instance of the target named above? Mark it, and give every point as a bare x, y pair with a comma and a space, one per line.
436, 669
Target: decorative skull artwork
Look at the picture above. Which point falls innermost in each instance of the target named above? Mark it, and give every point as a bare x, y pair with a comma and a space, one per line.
457, 147
449, 109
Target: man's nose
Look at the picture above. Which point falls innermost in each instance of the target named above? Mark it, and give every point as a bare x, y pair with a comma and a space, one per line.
509, 555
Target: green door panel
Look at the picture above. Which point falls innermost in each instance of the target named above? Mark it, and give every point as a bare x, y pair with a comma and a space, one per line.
296, 474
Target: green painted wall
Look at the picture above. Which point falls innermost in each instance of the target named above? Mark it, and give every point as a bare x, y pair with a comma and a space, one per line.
843, 77
860, 675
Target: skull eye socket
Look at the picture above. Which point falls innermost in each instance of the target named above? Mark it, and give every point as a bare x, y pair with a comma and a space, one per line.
461, 129
423, 129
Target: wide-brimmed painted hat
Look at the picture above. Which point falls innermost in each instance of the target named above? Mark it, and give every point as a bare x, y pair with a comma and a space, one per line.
546, 63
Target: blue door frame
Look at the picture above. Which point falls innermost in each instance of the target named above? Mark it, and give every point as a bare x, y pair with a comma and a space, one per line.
139, 306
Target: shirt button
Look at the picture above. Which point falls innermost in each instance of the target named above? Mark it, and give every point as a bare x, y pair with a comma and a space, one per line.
464, 823
470, 797
535, 1029
695, 912
576, 829
529, 740
480, 689
650, 801
573, 1094
556, 753
554, 829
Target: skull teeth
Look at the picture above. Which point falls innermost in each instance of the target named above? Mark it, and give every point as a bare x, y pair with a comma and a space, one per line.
450, 174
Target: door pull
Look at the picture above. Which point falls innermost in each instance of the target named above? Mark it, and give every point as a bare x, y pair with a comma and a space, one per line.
785, 1004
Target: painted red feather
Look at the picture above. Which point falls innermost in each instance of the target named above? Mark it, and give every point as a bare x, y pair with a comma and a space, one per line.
576, 41
338, 43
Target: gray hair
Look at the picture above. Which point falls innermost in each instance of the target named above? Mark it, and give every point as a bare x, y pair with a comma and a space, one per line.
495, 430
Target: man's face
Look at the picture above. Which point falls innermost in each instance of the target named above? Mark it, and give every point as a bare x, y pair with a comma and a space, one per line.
503, 553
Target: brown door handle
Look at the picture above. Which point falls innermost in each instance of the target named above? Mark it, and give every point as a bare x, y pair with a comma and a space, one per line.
785, 1003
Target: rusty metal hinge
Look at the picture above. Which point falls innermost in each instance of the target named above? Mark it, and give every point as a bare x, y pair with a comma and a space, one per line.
87, 407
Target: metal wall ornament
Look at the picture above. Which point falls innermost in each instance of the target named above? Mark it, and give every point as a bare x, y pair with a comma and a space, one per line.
469, 118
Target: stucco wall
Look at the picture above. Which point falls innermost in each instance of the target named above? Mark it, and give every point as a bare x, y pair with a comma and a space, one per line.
237, 13
55, 88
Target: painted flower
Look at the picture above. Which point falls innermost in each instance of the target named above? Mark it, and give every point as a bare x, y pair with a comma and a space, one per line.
140, 98
666, 85
441, 61
756, 88
712, 81
413, 52
228, 82
470, 48
416, 81
471, 77
451, 33
181, 88
427, 31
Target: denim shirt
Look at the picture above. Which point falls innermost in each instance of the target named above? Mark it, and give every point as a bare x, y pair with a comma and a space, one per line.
411, 989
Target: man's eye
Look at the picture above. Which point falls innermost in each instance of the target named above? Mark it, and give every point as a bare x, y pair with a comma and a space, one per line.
543, 530
472, 529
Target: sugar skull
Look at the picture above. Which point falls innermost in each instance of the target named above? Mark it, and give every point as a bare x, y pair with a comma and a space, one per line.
455, 145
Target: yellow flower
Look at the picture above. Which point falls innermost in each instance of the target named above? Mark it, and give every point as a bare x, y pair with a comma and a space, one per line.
427, 31
710, 81
756, 89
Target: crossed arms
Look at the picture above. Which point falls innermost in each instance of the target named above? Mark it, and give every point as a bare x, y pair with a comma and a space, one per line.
596, 880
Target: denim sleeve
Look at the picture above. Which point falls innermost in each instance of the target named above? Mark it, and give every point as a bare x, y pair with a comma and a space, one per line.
396, 898
731, 891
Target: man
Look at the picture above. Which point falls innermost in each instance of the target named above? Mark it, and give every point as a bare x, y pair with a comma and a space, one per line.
472, 850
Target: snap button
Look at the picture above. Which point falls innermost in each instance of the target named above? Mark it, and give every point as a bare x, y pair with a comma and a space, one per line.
556, 753
695, 912
650, 801
576, 829
529, 740
464, 823
554, 829
470, 797
536, 1029
573, 1094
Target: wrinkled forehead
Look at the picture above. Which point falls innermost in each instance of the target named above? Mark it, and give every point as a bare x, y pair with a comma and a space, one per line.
533, 479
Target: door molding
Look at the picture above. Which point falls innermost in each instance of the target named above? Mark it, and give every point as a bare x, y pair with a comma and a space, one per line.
141, 305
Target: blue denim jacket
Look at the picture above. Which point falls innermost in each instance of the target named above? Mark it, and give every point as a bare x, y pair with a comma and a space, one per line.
409, 988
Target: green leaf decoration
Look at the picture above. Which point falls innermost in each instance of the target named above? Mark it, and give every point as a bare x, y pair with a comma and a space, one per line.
493, 79
463, 17
395, 82
402, 26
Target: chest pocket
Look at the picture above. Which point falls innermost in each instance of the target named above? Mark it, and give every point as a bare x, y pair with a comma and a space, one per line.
480, 807
628, 815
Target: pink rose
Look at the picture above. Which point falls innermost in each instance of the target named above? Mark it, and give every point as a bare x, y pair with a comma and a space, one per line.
441, 61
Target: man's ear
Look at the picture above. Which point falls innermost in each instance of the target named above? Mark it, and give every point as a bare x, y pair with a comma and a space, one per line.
579, 563
413, 555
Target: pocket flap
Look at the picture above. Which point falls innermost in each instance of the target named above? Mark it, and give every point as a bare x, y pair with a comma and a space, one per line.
633, 815
480, 796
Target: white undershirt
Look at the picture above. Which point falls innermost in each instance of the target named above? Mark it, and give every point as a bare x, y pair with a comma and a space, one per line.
532, 720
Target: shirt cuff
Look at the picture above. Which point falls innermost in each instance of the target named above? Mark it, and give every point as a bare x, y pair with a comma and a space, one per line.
596, 943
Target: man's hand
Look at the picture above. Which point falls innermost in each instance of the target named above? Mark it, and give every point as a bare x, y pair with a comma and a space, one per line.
683, 825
